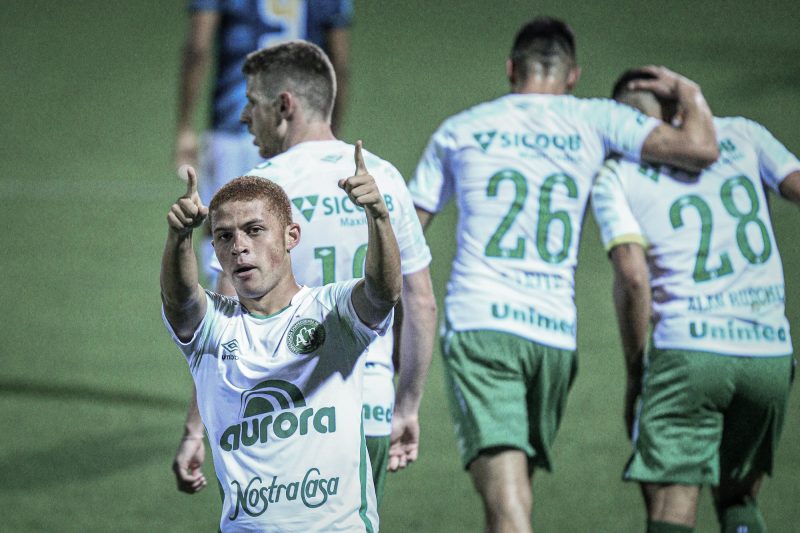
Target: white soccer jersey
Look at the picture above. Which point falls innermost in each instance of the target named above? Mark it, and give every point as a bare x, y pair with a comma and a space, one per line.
280, 397
716, 274
521, 167
333, 241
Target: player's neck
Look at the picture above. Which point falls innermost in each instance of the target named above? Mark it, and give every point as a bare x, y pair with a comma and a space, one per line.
275, 300
310, 131
540, 87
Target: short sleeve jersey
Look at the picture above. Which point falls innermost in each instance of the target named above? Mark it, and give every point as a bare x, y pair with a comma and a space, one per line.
248, 25
715, 270
333, 241
280, 397
520, 168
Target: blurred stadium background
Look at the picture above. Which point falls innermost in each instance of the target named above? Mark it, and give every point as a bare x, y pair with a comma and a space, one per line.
92, 391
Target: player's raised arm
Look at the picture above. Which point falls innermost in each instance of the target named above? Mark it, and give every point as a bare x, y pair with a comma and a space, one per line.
375, 296
693, 144
181, 294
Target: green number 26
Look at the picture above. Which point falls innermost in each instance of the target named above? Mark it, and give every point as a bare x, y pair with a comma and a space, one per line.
545, 219
701, 270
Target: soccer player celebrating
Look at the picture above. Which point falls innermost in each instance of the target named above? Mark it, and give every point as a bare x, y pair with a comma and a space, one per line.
521, 168
279, 371
695, 254
290, 92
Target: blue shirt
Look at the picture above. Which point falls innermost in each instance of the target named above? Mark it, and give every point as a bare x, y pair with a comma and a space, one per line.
246, 26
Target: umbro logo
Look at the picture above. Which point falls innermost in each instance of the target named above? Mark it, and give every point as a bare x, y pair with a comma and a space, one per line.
306, 205
485, 138
230, 350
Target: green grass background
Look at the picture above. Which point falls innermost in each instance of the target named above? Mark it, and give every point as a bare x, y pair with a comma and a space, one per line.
92, 391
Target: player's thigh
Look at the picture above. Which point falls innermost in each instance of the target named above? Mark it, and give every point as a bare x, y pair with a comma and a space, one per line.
678, 429
486, 391
754, 419
549, 373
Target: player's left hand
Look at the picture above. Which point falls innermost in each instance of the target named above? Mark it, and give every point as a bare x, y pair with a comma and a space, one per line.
404, 441
188, 463
362, 189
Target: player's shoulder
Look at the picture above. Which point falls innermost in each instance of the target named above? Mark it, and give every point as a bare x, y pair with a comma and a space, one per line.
224, 305
738, 124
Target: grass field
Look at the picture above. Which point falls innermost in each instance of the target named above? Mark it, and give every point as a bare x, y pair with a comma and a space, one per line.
92, 390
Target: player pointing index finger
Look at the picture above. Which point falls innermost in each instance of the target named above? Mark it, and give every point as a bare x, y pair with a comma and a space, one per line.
361, 167
362, 189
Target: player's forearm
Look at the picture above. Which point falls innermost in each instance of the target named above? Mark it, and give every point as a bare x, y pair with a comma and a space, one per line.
383, 280
193, 427
179, 274
194, 69
698, 126
418, 331
632, 302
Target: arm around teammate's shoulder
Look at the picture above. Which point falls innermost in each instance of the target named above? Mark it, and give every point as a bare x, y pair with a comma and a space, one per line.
692, 145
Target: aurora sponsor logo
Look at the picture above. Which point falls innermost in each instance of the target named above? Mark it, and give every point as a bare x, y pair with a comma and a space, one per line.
272, 410
333, 205
305, 336
254, 498
535, 141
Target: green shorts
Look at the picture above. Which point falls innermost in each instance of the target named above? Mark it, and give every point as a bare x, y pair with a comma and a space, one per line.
707, 418
378, 450
506, 391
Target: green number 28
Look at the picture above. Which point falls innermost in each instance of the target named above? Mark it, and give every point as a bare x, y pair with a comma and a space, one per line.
545, 219
701, 270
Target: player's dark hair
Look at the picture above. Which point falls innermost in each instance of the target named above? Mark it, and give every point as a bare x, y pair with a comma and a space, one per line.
621, 85
248, 188
547, 41
300, 67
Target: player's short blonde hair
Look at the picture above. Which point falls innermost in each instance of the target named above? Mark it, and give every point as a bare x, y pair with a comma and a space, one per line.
248, 188
299, 67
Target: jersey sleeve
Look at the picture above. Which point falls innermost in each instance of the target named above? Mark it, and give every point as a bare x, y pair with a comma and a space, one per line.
204, 5
775, 161
342, 15
341, 294
432, 184
204, 338
611, 209
623, 128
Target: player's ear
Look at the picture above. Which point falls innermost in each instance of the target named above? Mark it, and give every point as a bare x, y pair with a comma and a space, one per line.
292, 235
510, 71
286, 104
573, 77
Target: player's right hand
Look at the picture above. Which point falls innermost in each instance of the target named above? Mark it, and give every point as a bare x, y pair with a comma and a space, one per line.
188, 211
666, 84
187, 463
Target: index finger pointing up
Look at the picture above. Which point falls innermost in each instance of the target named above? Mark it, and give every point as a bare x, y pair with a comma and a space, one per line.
188, 174
361, 168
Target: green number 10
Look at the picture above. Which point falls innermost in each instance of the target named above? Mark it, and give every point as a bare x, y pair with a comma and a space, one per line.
327, 254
